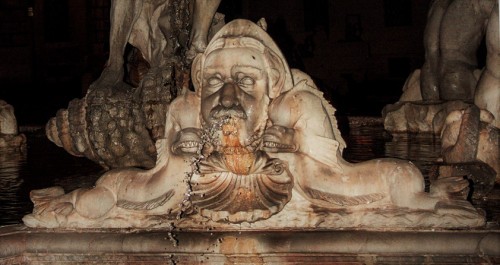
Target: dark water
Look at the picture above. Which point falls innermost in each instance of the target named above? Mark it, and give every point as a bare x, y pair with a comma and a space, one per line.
44, 165
41, 165
367, 140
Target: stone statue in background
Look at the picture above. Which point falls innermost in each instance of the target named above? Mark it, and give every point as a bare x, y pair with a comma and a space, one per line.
450, 74
255, 145
453, 35
117, 122
451, 97
148, 26
10, 138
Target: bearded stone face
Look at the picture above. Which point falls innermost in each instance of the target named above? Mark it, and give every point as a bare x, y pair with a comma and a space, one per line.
235, 89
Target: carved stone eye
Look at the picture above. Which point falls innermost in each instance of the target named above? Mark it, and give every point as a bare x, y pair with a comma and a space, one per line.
214, 81
246, 81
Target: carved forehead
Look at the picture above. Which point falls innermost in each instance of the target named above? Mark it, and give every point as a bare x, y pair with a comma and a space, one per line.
234, 58
244, 33
235, 42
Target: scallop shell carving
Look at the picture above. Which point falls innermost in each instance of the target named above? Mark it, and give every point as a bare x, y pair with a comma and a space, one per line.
226, 196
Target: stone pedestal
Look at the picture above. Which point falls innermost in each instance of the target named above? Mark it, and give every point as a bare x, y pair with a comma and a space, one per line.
418, 116
19, 244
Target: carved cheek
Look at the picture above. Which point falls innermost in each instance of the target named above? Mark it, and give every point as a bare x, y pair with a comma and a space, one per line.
253, 108
208, 102
249, 106
253, 98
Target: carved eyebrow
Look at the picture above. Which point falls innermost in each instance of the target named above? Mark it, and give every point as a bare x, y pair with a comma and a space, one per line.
210, 73
247, 68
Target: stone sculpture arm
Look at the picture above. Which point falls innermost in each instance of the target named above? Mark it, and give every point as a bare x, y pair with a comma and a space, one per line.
301, 123
430, 74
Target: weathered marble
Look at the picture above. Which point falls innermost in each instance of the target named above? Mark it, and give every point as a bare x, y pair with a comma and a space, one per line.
255, 146
450, 96
419, 116
453, 34
10, 138
123, 113
20, 245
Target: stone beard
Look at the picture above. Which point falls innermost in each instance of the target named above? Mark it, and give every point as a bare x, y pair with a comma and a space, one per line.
237, 182
231, 131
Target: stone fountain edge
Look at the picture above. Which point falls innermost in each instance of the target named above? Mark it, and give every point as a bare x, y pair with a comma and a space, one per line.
18, 242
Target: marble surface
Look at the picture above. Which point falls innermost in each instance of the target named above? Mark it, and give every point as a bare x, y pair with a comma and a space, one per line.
46, 246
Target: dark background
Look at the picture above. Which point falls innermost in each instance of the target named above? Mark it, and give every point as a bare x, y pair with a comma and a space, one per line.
359, 52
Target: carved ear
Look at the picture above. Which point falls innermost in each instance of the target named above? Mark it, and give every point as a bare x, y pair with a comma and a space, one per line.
276, 74
196, 72
276, 82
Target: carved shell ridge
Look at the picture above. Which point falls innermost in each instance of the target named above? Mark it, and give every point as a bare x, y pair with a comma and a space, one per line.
227, 196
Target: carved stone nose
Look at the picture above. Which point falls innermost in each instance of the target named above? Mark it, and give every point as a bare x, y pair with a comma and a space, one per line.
228, 95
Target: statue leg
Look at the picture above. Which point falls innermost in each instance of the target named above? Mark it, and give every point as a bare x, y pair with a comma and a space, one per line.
123, 15
204, 11
487, 94
462, 30
429, 75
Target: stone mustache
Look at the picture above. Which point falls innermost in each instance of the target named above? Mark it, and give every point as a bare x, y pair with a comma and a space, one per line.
255, 144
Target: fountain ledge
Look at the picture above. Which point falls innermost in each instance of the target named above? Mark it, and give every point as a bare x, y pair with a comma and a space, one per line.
19, 244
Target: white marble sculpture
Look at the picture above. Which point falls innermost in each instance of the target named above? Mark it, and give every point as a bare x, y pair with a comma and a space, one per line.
450, 96
450, 77
255, 146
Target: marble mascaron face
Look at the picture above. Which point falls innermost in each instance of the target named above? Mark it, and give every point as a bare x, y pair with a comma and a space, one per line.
235, 85
233, 181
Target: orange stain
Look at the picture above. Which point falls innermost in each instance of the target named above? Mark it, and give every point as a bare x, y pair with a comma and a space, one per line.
236, 157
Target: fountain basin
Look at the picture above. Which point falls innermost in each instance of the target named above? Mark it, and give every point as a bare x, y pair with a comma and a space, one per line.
19, 244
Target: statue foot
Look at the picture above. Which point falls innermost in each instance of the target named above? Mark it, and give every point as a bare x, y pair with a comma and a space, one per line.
194, 49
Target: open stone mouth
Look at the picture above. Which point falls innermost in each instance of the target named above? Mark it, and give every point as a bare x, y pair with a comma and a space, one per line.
271, 144
187, 146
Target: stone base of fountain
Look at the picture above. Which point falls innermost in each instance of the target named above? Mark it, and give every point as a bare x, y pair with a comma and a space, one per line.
22, 245
418, 116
